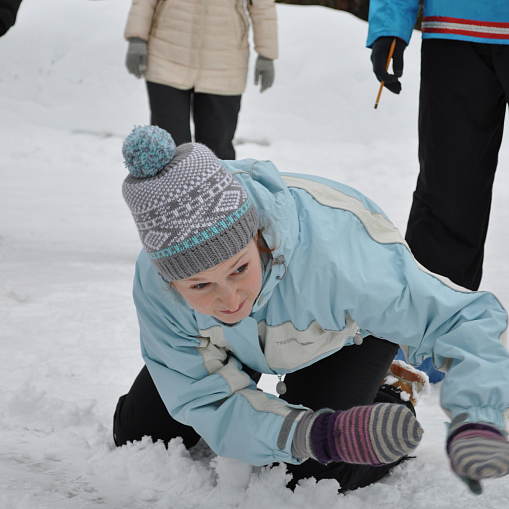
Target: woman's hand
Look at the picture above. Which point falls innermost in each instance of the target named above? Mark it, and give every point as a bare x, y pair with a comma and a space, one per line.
136, 58
478, 451
264, 71
369, 435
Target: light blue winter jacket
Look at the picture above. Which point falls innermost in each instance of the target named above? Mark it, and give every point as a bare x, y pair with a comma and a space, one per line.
485, 21
340, 271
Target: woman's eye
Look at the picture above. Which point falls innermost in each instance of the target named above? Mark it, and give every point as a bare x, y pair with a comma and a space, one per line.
199, 286
241, 269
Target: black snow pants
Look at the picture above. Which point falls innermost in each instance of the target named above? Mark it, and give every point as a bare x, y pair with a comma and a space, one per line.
463, 96
214, 116
350, 377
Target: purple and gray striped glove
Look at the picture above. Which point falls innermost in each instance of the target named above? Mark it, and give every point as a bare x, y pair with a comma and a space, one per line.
369, 435
478, 451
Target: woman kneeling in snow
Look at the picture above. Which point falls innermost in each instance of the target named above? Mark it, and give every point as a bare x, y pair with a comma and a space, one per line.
247, 271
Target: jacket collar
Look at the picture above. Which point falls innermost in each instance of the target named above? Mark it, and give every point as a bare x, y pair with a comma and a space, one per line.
278, 218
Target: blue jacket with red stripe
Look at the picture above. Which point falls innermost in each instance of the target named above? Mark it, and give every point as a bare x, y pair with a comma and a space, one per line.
485, 21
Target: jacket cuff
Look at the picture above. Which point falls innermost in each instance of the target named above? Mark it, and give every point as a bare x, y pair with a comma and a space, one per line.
317, 436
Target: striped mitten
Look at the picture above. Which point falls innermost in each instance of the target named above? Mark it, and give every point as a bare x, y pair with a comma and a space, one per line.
478, 451
368, 435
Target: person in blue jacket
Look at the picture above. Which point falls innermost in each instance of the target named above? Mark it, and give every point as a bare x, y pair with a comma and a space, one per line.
246, 271
462, 103
463, 96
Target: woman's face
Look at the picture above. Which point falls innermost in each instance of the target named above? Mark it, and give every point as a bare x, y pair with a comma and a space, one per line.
228, 290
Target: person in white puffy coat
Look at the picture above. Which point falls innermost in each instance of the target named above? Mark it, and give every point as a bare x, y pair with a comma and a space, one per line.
194, 57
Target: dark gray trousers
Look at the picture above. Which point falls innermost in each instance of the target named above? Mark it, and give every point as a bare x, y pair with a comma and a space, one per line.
215, 116
463, 97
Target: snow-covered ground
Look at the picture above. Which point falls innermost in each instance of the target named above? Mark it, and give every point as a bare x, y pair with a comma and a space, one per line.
68, 331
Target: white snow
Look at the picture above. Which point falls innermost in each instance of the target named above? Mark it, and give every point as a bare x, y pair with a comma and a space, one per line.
68, 331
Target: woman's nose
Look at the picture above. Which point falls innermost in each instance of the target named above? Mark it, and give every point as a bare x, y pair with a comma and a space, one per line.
230, 298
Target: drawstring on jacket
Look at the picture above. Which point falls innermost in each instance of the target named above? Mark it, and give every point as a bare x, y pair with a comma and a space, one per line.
280, 260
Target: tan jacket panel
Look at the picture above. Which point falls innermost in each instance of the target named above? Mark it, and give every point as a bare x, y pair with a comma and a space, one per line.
202, 43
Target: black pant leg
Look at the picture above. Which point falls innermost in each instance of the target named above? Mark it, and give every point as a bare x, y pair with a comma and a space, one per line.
461, 117
215, 121
141, 412
347, 378
350, 377
170, 110
501, 63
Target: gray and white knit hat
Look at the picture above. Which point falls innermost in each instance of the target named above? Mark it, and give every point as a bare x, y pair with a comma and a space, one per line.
191, 213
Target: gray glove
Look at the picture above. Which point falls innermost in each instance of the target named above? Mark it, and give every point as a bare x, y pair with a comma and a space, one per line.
264, 69
136, 58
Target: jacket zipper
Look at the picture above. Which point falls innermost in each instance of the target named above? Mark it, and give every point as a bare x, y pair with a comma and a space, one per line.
202, 30
244, 30
155, 19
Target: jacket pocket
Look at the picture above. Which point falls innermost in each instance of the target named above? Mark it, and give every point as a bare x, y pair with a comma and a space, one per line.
155, 18
243, 21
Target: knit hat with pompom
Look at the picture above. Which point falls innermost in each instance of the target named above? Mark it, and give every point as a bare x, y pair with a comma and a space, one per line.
191, 213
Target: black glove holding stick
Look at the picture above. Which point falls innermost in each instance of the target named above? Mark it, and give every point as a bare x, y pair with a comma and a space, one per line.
379, 56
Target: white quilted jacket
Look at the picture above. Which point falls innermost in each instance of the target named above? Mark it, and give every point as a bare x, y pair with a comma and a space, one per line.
202, 44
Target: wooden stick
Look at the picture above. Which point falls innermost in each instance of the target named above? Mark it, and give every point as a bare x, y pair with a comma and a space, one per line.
391, 52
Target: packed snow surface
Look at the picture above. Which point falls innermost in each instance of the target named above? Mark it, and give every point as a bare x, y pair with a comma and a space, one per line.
68, 330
